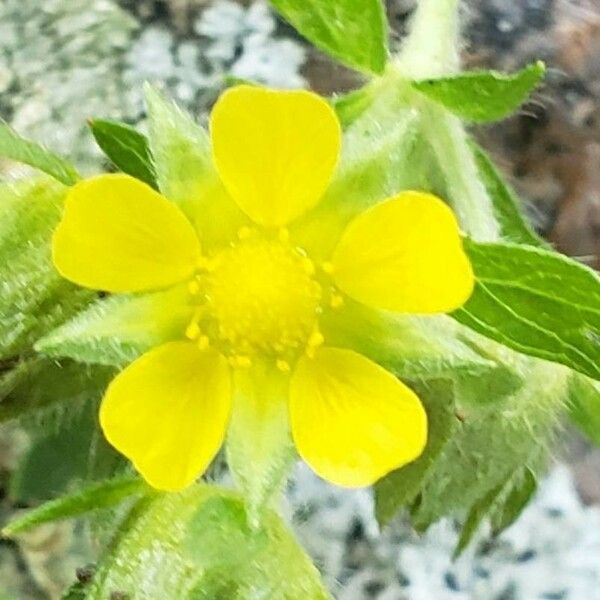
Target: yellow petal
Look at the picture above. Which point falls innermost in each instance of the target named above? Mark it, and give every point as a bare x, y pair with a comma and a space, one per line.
405, 255
353, 421
274, 150
117, 234
168, 412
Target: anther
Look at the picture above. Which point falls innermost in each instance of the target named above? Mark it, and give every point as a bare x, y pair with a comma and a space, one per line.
204, 342
194, 287
283, 365
241, 362
336, 300
244, 233
327, 267
193, 330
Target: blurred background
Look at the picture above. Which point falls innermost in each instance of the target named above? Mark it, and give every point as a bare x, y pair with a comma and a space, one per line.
64, 61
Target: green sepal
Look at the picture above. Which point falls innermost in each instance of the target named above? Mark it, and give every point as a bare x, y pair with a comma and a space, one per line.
584, 406
118, 329
352, 31
260, 451
514, 227
96, 496
34, 297
38, 384
126, 147
483, 96
400, 488
536, 302
209, 552
494, 442
185, 172
412, 347
17, 148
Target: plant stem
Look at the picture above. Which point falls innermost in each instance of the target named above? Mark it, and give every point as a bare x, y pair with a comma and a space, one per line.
432, 50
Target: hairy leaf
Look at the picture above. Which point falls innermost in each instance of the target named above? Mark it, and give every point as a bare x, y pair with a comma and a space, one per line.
14, 147
483, 96
94, 497
185, 173
117, 329
210, 553
494, 442
34, 298
401, 487
412, 347
353, 31
513, 224
584, 396
126, 147
537, 302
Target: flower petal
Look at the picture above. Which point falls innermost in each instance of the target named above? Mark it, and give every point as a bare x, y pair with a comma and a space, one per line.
353, 421
168, 412
405, 255
117, 234
274, 150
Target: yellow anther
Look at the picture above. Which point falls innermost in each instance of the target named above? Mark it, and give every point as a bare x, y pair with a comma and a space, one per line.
203, 342
193, 330
284, 235
244, 233
205, 264
308, 266
194, 287
315, 340
283, 365
327, 267
336, 300
241, 362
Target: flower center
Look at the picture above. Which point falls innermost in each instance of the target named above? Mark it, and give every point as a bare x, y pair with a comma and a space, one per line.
259, 297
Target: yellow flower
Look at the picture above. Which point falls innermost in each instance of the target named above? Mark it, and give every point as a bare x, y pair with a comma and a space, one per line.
259, 298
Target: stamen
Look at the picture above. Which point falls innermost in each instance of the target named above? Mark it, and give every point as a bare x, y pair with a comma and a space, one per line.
327, 267
336, 300
315, 340
284, 235
194, 287
193, 330
204, 342
283, 365
244, 233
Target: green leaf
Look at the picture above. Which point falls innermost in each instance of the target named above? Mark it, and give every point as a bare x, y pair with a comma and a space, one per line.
474, 519
353, 31
34, 297
93, 497
411, 347
401, 487
118, 329
14, 147
126, 147
584, 396
507, 206
495, 441
39, 383
208, 553
537, 302
502, 505
260, 451
185, 172
350, 106
515, 502
483, 96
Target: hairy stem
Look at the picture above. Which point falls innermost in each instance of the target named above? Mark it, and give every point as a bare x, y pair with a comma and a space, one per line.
432, 50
